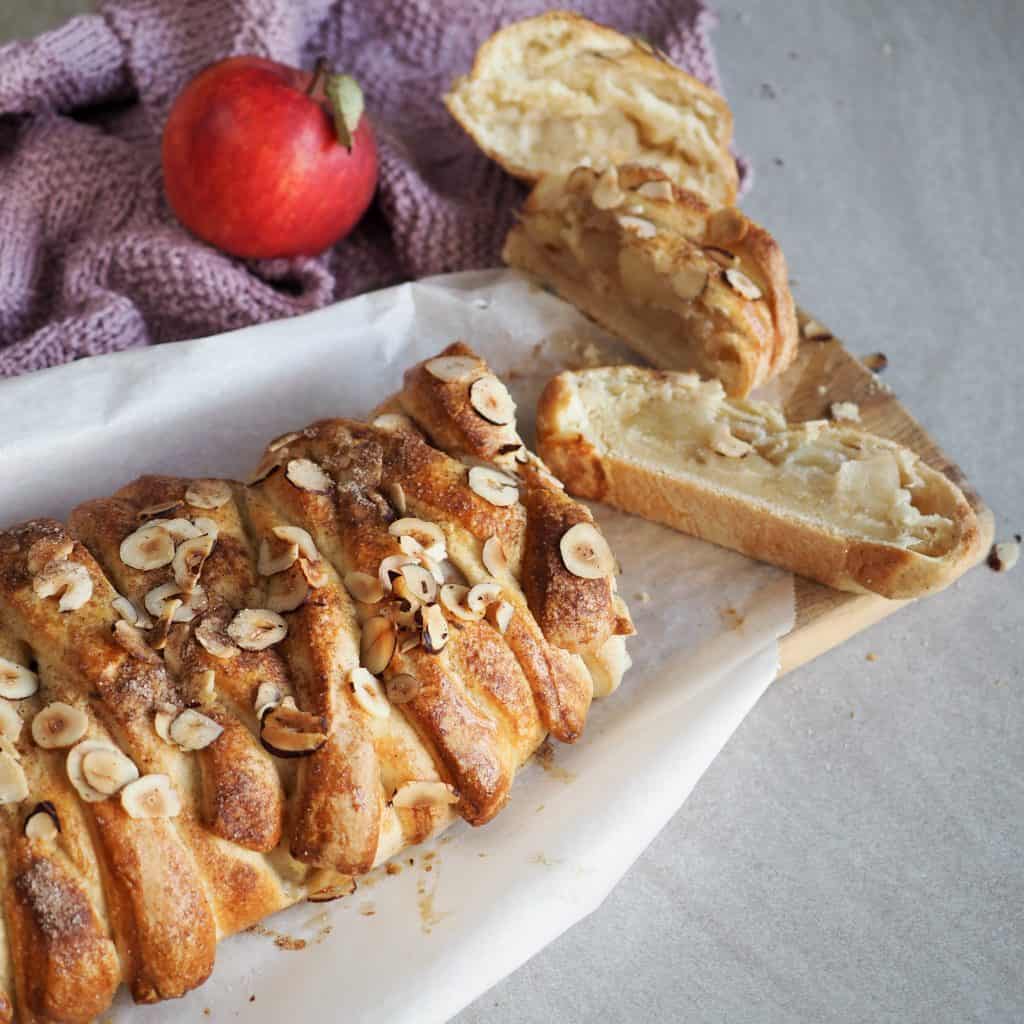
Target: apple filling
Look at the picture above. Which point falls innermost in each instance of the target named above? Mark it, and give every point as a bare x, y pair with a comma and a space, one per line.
834, 475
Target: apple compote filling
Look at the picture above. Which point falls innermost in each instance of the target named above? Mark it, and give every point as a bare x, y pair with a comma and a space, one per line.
829, 473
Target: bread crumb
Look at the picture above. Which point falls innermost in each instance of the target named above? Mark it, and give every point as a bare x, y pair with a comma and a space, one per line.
1004, 555
643, 597
393, 869
876, 362
871, 657
845, 412
367, 910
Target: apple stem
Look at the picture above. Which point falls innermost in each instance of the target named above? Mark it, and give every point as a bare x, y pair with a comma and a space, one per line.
319, 70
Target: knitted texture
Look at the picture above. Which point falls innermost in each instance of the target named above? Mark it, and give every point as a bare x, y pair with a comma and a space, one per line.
91, 257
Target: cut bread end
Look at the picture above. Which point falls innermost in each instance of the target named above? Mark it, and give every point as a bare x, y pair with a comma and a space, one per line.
835, 504
687, 287
552, 92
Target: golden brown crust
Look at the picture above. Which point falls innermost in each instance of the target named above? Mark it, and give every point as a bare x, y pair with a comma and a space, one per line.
768, 534
502, 66
687, 286
133, 635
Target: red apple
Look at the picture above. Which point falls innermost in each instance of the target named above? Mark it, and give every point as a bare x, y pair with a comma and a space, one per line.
264, 160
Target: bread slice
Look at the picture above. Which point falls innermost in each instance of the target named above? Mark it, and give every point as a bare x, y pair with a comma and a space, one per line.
687, 287
552, 92
838, 505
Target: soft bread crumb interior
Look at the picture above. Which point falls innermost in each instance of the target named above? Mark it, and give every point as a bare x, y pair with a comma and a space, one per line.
839, 478
556, 102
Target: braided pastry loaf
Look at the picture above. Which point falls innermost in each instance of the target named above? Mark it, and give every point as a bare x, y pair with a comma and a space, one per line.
219, 699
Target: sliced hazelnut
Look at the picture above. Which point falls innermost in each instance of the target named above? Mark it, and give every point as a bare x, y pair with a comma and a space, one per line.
300, 538
813, 331
287, 592
452, 368
211, 637
162, 723
107, 770
395, 494
722, 257
286, 731
364, 588
1004, 556
657, 189
130, 614
494, 558
42, 825
377, 644
326, 885
490, 398
453, 598
429, 536
189, 559
368, 693
284, 439
391, 567
46, 550
482, 595
158, 509
208, 493
494, 486
401, 688
586, 553
256, 629
739, 282
68, 580
422, 586
59, 725
13, 784
149, 547
177, 529
10, 722
419, 793
639, 226
152, 796
73, 765
408, 640
16, 681
308, 476
436, 569
270, 564
435, 629
268, 696
689, 282
133, 642
607, 194
393, 422
314, 573
157, 599
192, 730
727, 226
500, 615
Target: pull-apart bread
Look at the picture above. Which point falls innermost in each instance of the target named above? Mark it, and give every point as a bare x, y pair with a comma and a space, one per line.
217, 699
687, 287
550, 93
824, 500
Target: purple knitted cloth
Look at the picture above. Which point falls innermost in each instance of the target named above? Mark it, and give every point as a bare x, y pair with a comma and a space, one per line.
91, 257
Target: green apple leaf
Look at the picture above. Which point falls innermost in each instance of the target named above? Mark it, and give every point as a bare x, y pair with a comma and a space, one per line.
347, 105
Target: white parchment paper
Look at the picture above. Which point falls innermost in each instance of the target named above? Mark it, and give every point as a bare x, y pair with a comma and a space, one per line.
472, 906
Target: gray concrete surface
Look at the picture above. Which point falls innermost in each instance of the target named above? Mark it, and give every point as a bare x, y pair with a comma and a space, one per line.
855, 852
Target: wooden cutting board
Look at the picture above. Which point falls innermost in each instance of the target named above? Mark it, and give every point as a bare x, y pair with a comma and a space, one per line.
822, 373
